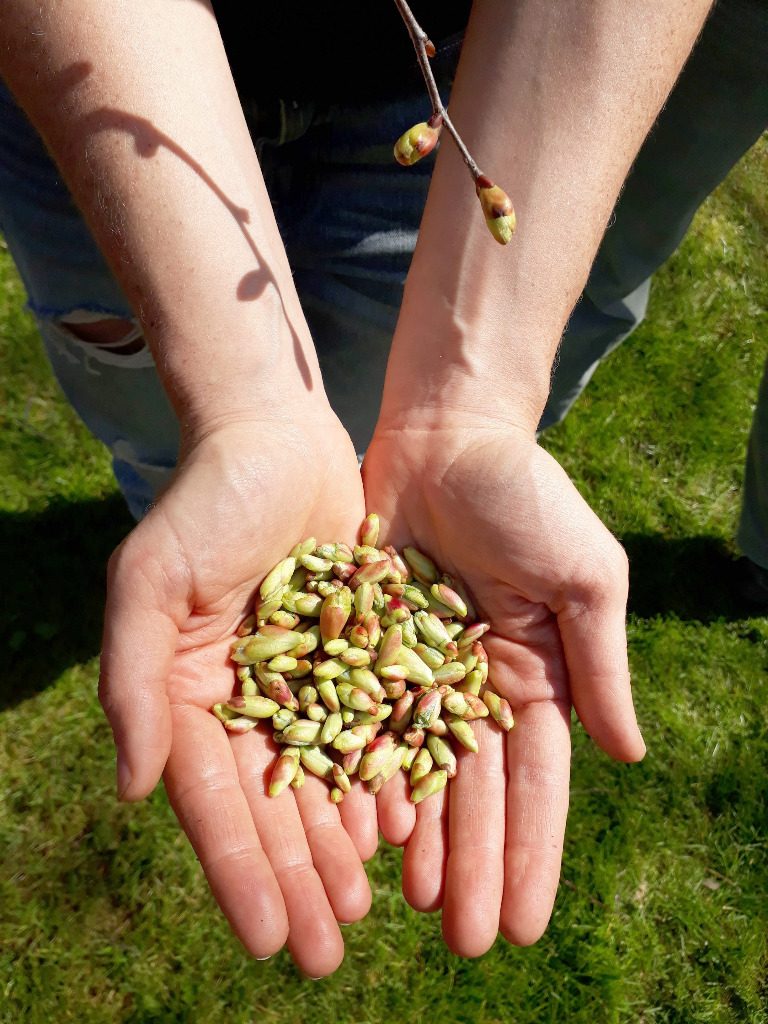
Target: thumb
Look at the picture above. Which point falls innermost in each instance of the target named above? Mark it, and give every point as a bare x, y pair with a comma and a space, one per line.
593, 631
139, 642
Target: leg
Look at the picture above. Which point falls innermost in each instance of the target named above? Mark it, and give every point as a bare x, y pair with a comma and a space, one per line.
752, 536
717, 110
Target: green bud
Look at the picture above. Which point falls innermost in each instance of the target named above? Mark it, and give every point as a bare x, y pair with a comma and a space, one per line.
284, 771
310, 639
331, 727
306, 547
329, 669
336, 647
223, 713
423, 568
497, 210
431, 628
347, 741
253, 707
428, 785
263, 645
410, 638
463, 733
315, 761
282, 663
278, 578
416, 143
301, 733
369, 531
422, 763
442, 754
328, 695
283, 718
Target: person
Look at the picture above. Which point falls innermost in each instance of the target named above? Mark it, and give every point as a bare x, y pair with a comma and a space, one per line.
715, 113
197, 352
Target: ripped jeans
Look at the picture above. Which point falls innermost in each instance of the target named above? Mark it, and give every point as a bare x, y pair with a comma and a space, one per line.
349, 241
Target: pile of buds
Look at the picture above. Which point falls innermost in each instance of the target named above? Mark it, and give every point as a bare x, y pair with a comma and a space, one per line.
344, 642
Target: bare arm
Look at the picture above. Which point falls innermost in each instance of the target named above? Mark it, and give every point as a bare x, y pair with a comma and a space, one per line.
138, 107
553, 100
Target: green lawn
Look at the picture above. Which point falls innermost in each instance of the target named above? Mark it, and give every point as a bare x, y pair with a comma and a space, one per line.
662, 913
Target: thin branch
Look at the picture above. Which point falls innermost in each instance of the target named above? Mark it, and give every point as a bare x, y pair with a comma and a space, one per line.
422, 44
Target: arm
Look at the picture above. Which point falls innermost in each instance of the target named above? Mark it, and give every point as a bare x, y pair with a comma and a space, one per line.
553, 100
137, 105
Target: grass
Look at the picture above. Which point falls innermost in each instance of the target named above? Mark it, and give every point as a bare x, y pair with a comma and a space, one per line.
661, 916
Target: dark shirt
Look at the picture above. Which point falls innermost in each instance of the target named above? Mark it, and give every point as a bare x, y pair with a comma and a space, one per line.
298, 49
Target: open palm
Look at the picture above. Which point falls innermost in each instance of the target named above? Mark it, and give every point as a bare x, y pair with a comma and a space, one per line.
490, 506
284, 869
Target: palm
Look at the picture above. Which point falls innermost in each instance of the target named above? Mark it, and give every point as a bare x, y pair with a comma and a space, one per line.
498, 512
179, 587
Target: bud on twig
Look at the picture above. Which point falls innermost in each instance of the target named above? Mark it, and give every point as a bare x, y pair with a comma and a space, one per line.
497, 209
416, 143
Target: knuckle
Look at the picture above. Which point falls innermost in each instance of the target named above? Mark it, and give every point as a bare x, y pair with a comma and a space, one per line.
603, 577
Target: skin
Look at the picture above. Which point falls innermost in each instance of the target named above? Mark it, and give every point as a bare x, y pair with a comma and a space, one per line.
454, 456
454, 464
552, 580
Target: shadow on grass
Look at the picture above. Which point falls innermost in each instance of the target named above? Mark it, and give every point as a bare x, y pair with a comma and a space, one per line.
692, 578
55, 561
54, 566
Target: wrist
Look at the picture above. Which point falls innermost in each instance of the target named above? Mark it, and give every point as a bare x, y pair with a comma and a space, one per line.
238, 363
289, 447
452, 378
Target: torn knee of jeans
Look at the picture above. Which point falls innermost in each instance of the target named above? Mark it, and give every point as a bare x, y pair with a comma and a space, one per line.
113, 334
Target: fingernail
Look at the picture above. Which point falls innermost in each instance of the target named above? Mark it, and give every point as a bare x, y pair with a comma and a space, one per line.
267, 957
124, 777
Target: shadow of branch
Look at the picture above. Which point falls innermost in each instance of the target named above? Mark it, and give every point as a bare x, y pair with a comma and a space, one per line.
147, 141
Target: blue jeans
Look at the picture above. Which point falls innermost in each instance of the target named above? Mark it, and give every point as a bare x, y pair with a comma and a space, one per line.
348, 216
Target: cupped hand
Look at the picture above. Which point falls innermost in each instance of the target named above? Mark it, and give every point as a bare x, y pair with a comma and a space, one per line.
490, 506
284, 869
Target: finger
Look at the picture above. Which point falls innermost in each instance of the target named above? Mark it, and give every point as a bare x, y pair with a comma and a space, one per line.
333, 853
475, 867
203, 787
593, 633
137, 653
358, 815
538, 768
314, 938
397, 815
425, 855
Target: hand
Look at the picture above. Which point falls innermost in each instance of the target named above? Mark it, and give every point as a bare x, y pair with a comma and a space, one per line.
490, 506
284, 869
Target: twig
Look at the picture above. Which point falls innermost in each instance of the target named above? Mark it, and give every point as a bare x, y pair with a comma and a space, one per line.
423, 45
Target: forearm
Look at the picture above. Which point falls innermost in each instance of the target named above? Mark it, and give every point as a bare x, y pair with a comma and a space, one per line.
137, 105
553, 101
